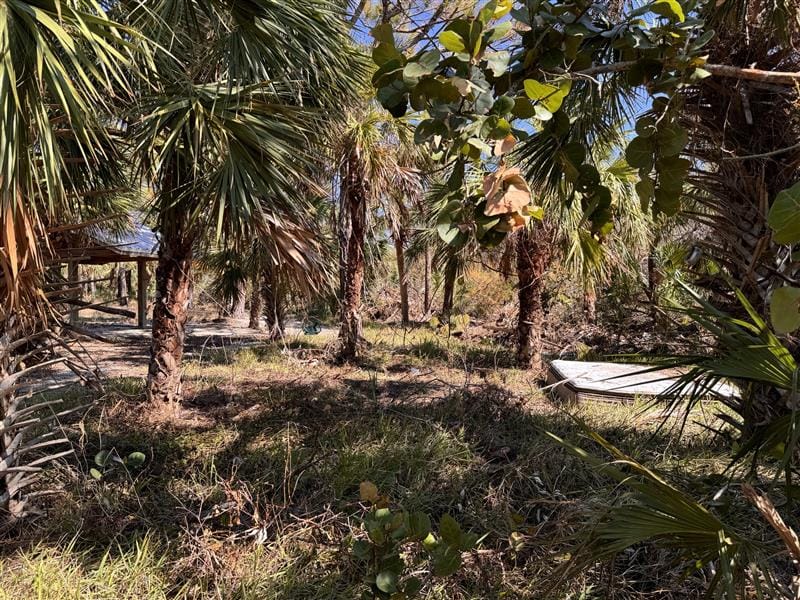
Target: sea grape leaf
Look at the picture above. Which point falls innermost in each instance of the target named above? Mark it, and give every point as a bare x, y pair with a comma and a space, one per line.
784, 309
784, 216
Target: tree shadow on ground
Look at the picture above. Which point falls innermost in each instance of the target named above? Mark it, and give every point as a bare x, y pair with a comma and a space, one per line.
300, 450
459, 355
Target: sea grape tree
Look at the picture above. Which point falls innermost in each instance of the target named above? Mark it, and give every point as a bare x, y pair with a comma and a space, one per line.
549, 74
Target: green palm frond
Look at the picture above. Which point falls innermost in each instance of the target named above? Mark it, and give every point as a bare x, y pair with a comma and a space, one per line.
749, 353
657, 512
747, 349
596, 113
592, 260
231, 123
63, 68
778, 16
228, 149
302, 41
230, 274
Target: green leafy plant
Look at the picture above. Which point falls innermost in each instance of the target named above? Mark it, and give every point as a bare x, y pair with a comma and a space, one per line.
654, 510
108, 461
784, 219
710, 527
495, 77
396, 540
747, 351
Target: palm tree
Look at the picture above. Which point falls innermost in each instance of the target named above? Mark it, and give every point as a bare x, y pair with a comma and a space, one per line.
591, 260
744, 142
294, 258
535, 247
369, 170
450, 260
594, 262
397, 209
227, 122
64, 69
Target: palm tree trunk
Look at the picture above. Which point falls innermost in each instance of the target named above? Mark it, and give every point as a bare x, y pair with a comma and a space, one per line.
256, 303
450, 272
427, 300
170, 312
533, 256
273, 302
399, 249
590, 304
352, 242
239, 304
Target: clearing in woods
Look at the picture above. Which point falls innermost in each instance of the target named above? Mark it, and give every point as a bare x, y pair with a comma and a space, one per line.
252, 490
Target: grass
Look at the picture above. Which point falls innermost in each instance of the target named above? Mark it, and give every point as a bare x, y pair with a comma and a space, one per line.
252, 491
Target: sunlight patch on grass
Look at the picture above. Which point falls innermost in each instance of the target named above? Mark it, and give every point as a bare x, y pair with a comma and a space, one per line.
63, 573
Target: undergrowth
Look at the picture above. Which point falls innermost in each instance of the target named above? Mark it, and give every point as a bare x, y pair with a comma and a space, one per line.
252, 491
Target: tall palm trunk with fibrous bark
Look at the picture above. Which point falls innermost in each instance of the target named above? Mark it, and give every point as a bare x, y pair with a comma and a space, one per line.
170, 311
256, 302
450, 275
534, 251
744, 138
351, 240
399, 249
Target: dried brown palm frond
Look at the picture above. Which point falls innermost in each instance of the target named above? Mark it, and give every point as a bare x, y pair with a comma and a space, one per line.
290, 252
29, 434
59, 181
63, 67
745, 140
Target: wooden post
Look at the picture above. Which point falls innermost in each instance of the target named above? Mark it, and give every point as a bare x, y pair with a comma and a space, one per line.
141, 294
73, 277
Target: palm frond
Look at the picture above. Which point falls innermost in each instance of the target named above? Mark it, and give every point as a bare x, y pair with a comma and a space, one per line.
62, 69
749, 353
657, 512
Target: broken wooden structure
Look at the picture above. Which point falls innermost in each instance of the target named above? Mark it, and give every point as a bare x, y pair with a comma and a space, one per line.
100, 246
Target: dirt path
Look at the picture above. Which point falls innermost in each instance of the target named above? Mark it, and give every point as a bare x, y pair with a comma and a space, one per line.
127, 352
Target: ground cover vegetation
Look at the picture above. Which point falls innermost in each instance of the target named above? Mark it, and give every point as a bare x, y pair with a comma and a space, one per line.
375, 224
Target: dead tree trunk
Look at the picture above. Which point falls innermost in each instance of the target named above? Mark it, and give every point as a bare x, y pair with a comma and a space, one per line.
170, 312
534, 250
128, 284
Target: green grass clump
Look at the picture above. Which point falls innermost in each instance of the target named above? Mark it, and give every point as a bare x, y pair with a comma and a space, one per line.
63, 572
